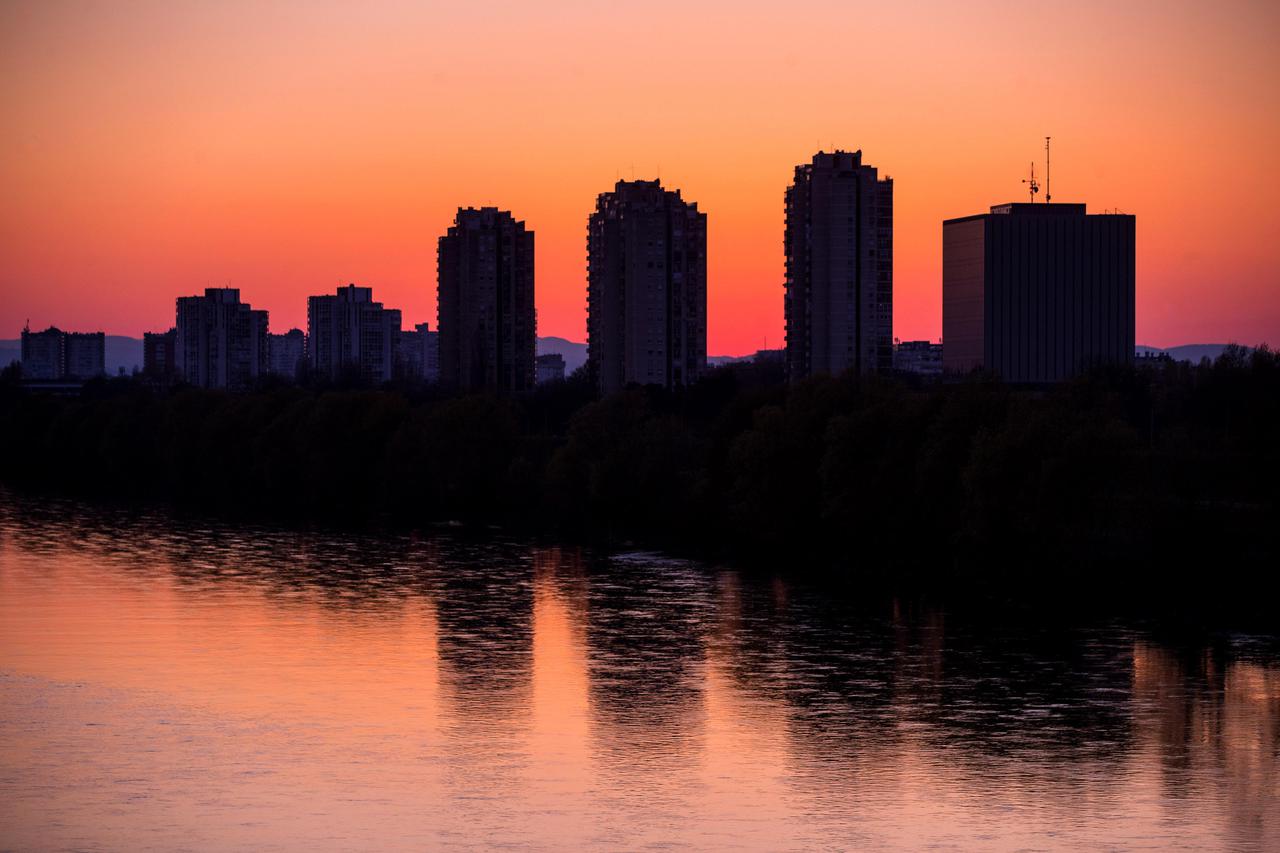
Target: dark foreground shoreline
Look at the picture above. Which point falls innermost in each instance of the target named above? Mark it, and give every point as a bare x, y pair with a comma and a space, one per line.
1153, 489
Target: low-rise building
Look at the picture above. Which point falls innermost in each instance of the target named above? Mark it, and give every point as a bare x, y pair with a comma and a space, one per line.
549, 368
923, 358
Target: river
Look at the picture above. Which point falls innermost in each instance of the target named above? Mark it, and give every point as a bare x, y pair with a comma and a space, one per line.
169, 683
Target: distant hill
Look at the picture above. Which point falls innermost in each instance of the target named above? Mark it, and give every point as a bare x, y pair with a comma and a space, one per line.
1196, 352
123, 353
574, 353
1187, 352
722, 360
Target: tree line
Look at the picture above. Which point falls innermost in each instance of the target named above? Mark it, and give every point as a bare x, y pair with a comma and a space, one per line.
1130, 476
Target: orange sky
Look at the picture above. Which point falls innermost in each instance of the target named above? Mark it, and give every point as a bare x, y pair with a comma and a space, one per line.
148, 150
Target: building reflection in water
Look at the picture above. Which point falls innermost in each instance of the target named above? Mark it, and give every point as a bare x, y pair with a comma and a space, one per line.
1212, 728
483, 692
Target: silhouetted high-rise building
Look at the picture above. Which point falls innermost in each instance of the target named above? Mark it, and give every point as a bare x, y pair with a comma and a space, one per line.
159, 354
54, 354
350, 332
221, 342
84, 355
647, 288
286, 352
418, 356
839, 267
42, 354
487, 321
1037, 292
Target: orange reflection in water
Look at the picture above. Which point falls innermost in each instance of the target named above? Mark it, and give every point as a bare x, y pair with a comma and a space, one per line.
184, 687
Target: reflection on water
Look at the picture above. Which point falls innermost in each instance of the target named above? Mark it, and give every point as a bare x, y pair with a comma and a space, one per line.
169, 684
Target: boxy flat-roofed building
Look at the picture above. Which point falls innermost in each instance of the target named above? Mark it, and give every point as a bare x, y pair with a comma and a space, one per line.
84, 355
220, 342
57, 355
349, 331
923, 358
1037, 293
550, 367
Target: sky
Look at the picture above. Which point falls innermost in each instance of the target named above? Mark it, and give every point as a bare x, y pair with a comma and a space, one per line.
152, 149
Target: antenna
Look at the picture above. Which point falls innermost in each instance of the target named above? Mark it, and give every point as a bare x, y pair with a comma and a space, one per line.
1031, 182
1047, 193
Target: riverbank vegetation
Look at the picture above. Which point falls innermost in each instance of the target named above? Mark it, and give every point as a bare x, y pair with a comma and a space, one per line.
1126, 476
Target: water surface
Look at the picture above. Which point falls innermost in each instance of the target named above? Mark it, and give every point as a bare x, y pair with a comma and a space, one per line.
175, 684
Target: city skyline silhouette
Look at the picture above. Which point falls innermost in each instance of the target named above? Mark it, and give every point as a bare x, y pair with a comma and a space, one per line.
286, 151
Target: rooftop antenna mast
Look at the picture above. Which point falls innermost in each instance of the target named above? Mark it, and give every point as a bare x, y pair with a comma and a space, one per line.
1031, 183
1047, 194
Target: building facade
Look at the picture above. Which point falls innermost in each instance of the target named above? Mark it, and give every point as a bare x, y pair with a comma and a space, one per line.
350, 333
646, 288
923, 358
486, 320
159, 354
1037, 293
839, 267
42, 354
419, 354
84, 355
220, 342
550, 367
286, 353
56, 355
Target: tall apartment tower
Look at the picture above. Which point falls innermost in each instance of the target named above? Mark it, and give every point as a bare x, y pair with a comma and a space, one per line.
1037, 293
839, 267
349, 331
221, 342
486, 323
646, 288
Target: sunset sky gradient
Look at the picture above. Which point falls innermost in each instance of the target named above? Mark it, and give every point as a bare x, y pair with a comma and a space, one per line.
152, 149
